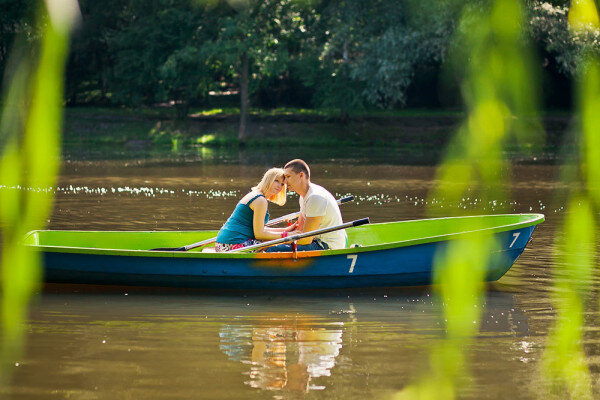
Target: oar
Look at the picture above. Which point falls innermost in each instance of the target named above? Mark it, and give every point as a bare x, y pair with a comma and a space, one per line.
299, 236
269, 223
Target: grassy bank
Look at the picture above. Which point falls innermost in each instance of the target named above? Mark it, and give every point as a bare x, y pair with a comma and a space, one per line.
418, 128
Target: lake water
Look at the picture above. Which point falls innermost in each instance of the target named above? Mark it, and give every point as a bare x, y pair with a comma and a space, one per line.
86, 342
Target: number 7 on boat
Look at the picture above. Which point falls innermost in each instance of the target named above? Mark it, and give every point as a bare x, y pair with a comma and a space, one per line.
352, 257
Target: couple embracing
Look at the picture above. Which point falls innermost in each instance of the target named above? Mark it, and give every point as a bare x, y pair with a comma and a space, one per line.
318, 209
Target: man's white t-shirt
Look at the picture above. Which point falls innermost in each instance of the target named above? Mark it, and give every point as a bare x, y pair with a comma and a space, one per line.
318, 202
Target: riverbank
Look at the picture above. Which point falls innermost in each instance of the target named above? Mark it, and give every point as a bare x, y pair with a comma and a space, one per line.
148, 127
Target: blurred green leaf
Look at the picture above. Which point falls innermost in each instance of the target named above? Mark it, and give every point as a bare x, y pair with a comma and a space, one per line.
30, 129
583, 15
589, 104
496, 71
564, 360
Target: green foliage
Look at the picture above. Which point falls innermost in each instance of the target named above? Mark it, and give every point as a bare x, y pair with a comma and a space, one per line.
336, 90
406, 37
343, 55
159, 45
185, 75
16, 21
589, 104
564, 359
90, 59
491, 60
499, 90
30, 130
270, 33
550, 28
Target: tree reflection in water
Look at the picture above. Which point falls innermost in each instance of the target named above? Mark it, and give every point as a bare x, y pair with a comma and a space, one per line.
283, 353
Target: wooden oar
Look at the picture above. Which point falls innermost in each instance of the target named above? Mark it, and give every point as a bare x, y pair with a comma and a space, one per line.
269, 223
299, 236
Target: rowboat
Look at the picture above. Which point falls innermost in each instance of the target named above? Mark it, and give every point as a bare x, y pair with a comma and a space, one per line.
379, 255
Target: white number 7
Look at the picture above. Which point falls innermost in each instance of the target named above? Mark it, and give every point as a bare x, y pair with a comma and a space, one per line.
352, 257
516, 236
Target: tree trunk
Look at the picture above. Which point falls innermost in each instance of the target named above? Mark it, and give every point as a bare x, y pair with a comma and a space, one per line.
243, 99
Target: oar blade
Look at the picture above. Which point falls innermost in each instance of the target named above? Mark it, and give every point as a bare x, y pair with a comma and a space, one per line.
169, 249
346, 199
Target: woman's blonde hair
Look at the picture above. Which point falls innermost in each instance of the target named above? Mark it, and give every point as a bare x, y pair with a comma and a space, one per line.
266, 182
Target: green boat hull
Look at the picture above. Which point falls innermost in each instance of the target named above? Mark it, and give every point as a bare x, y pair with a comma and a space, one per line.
388, 254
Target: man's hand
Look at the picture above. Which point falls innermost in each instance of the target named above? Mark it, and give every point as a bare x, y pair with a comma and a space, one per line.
291, 227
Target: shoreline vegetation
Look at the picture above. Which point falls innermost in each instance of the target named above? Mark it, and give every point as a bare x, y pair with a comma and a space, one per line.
217, 127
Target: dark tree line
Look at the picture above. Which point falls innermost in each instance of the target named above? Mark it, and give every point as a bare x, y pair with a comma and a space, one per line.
345, 55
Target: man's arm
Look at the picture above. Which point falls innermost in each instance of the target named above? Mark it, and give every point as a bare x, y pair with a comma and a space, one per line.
310, 224
300, 223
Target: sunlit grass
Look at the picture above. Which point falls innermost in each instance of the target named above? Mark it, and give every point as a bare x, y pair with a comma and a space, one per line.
214, 111
206, 139
332, 114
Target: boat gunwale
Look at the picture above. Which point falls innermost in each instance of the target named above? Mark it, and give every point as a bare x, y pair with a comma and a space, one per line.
535, 218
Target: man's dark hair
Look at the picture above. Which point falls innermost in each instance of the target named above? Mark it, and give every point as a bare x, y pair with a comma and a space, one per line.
298, 166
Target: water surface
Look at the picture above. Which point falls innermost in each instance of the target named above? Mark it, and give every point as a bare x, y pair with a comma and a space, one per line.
87, 342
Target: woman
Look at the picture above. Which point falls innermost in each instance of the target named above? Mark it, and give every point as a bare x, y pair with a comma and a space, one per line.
246, 225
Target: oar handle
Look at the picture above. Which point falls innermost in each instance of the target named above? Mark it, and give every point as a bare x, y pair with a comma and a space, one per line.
361, 221
282, 218
303, 235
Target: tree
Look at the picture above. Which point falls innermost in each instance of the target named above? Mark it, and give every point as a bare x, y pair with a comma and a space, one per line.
549, 26
368, 52
16, 20
413, 36
191, 70
331, 54
184, 77
378, 46
257, 41
90, 61
158, 52
147, 33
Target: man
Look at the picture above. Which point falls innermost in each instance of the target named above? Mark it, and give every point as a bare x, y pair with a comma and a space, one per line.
318, 209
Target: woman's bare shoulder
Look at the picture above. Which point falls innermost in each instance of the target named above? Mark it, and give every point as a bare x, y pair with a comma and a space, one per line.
248, 199
249, 196
260, 201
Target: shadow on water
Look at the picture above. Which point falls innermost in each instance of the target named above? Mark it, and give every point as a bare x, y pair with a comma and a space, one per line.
410, 154
274, 155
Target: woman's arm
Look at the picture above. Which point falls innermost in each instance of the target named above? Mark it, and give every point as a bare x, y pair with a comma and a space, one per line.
261, 232
290, 228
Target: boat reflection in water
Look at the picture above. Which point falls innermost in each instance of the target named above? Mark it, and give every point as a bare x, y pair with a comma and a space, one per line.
297, 352
284, 353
